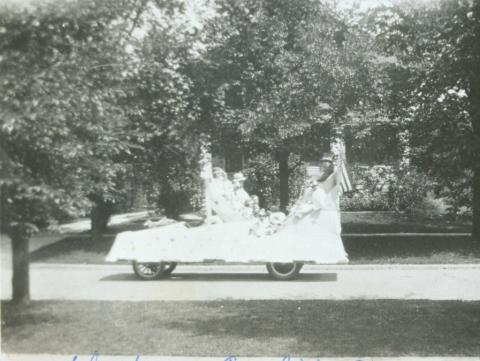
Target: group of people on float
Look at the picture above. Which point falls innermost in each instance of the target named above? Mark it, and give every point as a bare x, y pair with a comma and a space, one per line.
231, 202
314, 218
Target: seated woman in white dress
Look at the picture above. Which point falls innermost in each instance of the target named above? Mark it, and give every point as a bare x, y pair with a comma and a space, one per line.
223, 198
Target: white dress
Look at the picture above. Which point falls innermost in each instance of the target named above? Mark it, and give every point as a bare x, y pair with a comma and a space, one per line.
315, 220
222, 200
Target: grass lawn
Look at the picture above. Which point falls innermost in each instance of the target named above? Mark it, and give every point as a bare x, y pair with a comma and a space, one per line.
389, 222
243, 328
407, 250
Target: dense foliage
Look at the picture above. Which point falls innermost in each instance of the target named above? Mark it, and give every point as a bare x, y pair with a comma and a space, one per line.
431, 57
73, 132
62, 120
280, 75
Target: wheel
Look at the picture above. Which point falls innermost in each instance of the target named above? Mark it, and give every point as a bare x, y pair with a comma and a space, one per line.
169, 268
284, 271
149, 271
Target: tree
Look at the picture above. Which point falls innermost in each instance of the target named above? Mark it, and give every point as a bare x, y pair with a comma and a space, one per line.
281, 75
165, 116
65, 130
39, 177
433, 58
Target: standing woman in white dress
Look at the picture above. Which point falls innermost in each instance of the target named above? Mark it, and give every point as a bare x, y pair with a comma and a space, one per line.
315, 217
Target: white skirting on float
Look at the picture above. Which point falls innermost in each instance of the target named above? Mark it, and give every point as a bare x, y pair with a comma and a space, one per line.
229, 242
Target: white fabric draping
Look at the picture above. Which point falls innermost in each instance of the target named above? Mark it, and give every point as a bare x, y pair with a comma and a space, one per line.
311, 233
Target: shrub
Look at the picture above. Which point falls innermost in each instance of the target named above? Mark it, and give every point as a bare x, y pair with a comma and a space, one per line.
364, 202
262, 174
409, 189
457, 194
180, 196
381, 188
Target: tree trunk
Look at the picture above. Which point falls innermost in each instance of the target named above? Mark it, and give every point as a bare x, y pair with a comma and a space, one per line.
99, 217
95, 226
21, 264
284, 175
476, 172
475, 116
476, 204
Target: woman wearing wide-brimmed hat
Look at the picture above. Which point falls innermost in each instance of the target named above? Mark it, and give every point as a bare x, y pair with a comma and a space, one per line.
315, 217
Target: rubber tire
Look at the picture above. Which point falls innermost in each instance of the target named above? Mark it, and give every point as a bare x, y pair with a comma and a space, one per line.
282, 275
156, 274
169, 268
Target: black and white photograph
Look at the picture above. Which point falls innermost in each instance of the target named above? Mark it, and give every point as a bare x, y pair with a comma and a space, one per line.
228, 180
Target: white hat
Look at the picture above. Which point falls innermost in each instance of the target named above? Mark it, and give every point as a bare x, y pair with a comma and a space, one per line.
314, 171
239, 176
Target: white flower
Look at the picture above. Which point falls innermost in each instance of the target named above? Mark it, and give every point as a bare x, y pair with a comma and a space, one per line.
462, 93
129, 49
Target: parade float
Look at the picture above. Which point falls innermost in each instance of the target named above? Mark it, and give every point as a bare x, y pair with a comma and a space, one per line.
235, 230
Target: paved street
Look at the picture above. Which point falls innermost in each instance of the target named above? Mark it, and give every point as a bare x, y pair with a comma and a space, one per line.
116, 282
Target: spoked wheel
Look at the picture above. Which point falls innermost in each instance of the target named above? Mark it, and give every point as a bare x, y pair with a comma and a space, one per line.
152, 271
169, 268
284, 271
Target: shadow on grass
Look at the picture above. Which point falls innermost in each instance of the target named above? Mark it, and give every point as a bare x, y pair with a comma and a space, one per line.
446, 249
80, 248
318, 328
350, 328
229, 277
74, 249
390, 222
18, 317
